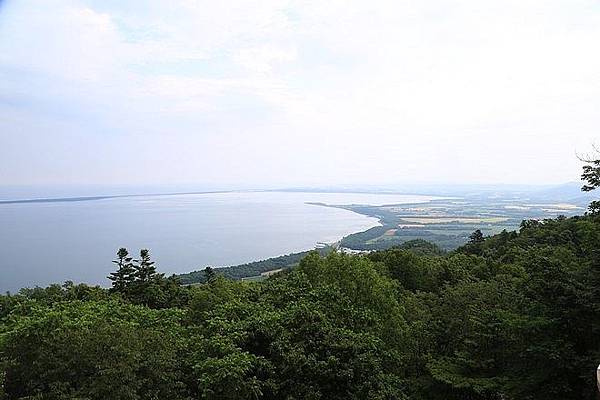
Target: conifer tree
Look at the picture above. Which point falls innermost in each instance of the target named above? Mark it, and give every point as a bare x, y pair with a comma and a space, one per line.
124, 275
145, 270
591, 175
476, 237
209, 274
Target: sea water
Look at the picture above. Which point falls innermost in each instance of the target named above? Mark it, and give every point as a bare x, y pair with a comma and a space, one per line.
51, 242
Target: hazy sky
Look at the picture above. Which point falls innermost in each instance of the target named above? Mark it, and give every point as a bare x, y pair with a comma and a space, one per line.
297, 92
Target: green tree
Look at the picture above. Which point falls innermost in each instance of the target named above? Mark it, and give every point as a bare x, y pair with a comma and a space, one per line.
124, 276
139, 282
148, 284
209, 274
144, 268
591, 175
476, 237
528, 327
96, 351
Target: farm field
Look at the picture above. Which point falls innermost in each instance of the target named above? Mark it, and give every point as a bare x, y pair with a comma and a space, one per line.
449, 222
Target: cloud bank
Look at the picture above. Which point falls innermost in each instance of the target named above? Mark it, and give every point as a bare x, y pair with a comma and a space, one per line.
297, 92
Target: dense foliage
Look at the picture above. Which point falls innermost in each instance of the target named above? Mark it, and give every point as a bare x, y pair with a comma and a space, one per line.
237, 272
256, 268
591, 175
513, 316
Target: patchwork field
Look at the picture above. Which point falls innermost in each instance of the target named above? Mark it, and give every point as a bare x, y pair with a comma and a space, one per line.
449, 222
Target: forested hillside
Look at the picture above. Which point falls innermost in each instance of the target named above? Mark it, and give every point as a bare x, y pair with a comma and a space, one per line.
256, 268
237, 272
513, 316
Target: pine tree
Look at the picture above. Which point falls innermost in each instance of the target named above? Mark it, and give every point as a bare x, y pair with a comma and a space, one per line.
145, 270
124, 275
209, 274
476, 237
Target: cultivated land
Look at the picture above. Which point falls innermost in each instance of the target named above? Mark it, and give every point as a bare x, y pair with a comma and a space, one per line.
449, 222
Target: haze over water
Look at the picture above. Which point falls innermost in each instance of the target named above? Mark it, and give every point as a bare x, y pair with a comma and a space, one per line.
51, 242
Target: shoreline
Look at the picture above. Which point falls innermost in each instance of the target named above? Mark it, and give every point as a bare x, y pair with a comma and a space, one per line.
305, 229
270, 264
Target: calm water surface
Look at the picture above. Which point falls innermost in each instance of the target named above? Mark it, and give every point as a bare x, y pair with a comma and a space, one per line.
43, 243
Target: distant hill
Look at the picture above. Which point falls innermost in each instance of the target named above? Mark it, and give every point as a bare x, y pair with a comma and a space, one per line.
570, 191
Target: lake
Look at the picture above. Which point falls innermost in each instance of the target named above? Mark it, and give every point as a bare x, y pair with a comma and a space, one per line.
51, 242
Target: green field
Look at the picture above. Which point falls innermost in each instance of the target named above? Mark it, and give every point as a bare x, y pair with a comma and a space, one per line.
449, 222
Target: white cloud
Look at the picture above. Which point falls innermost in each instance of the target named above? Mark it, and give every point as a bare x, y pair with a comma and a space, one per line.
297, 92
262, 59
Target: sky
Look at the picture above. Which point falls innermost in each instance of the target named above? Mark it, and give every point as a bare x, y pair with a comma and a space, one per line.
297, 93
